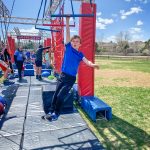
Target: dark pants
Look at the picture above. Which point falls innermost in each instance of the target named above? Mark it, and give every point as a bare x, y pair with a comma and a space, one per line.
64, 84
19, 66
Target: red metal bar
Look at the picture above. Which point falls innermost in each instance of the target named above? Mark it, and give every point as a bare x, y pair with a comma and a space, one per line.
58, 25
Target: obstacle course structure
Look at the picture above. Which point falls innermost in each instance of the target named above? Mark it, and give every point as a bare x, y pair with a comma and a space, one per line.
51, 16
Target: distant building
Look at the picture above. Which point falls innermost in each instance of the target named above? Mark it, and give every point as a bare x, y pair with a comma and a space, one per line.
134, 47
108, 46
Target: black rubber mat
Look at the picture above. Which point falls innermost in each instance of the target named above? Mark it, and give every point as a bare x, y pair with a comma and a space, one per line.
22, 127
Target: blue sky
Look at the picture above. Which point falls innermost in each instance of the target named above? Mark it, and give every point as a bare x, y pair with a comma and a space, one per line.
113, 17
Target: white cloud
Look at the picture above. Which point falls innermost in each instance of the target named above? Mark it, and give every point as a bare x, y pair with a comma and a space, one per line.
98, 14
110, 38
139, 23
136, 34
133, 10
137, 37
123, 17
142, 1
105, 21
100, 26
30, 30
135, 30
101, 23
73, 31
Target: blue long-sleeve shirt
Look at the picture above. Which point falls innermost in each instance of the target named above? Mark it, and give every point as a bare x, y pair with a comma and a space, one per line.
19, 56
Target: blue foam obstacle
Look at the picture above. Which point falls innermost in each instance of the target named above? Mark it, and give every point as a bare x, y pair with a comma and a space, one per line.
93, 106
48, 70
45, 74
29, 66
29, 72
43, 66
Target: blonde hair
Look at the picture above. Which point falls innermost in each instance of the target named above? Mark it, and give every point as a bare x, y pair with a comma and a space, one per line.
76, 37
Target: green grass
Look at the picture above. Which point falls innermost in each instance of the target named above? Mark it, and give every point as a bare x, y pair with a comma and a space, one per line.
134, 65
130, 126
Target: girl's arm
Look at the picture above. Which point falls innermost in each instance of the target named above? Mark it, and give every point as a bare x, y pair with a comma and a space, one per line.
67, 30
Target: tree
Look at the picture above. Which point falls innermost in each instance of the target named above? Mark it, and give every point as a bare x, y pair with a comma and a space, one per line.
29, 45
146, 49
122, 41
147, 45
97, 49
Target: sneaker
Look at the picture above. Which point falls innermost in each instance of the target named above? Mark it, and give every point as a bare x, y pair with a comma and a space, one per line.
37, 76
48, 116
20, 79
54, 117
40, 78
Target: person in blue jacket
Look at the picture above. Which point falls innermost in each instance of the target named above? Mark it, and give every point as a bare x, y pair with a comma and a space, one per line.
19, 58
38, 61
71, 61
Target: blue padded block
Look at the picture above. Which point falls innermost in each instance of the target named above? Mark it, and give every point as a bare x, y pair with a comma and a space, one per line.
29, 72
43, 66
48, 70
27, 62
92, 105
29, 66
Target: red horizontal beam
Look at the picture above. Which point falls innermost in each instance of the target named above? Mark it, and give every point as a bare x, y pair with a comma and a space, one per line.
58, 25
29, 37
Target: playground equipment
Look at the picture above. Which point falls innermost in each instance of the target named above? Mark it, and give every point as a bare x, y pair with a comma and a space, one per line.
51, 19
87, 22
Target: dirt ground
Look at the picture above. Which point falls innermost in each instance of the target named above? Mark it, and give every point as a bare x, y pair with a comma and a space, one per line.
122, 78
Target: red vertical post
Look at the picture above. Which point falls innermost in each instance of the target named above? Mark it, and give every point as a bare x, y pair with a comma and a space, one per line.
48, 42
11, 47
57, 40
87, 29
9, 43
45, 42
